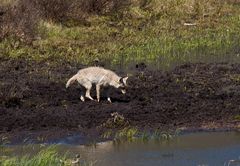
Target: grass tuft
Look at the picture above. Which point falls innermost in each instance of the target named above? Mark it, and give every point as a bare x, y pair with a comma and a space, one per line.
45, 157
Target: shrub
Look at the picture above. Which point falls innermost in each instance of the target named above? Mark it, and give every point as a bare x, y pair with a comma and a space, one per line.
20, 19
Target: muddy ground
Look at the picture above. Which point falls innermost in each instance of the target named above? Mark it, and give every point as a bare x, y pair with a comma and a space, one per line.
33, 97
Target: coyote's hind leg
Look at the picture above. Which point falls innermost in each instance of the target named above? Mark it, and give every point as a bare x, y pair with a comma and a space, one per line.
88, 86
82, 97
82, 89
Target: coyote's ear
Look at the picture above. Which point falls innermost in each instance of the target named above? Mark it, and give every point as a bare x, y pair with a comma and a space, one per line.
121, 80
125, 80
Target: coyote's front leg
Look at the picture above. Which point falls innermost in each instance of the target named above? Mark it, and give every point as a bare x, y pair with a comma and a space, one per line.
108, 95
98, 92
109, 100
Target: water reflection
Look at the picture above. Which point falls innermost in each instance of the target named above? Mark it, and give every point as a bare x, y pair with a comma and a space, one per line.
213, 149
191, 149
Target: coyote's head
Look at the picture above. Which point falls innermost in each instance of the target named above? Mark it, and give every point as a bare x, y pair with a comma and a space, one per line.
123, 84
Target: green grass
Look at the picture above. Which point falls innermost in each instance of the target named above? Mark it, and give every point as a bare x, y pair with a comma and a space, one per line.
154, 32
46, 157
237, 117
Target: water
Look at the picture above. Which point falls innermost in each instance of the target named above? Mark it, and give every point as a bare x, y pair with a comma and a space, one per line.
195, 149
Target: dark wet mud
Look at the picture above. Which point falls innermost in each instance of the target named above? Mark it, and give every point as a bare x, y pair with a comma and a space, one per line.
33, 97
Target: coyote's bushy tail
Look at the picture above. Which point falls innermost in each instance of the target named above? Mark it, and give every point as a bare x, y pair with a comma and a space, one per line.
71, 80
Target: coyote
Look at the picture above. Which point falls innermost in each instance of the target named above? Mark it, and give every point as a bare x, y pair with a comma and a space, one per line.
100, 77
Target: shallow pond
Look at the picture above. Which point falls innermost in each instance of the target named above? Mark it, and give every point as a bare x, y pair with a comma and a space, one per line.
197, 149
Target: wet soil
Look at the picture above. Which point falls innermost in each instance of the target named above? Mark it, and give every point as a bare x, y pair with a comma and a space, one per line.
33, 97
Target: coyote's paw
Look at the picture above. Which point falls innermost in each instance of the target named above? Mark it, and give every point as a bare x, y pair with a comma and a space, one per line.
82, 98
109, 100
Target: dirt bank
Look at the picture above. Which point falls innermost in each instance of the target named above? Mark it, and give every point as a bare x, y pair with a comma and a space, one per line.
33, 97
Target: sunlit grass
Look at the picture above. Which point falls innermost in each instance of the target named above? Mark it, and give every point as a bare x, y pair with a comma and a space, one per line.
43, 158
46, 157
